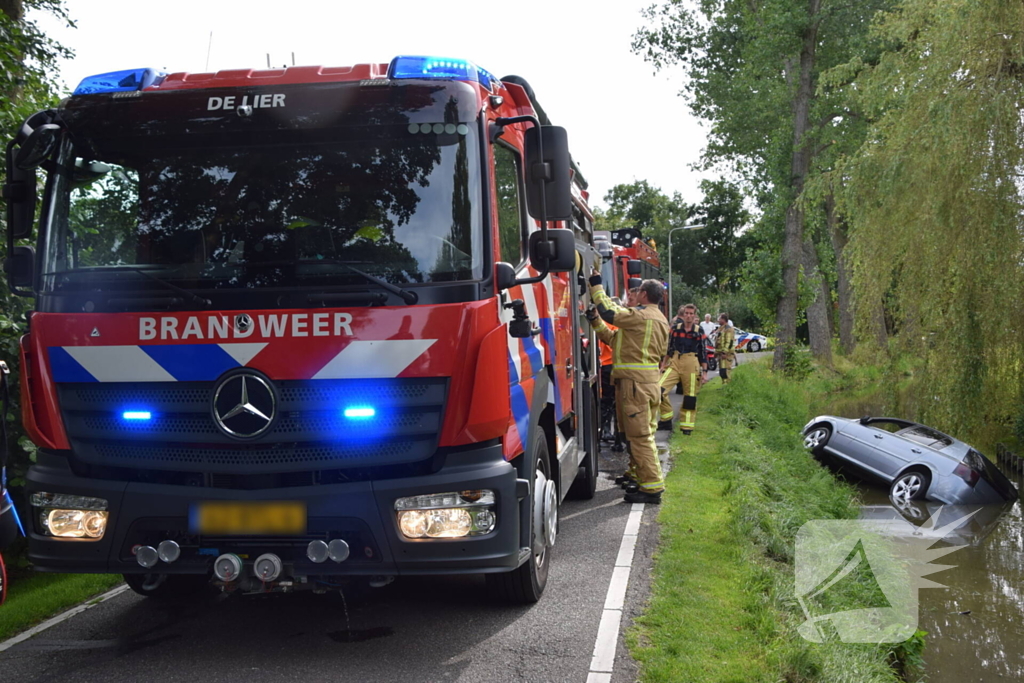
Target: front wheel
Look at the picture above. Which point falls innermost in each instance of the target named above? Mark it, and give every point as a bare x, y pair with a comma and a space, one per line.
166, 587
912, 485
816, 438
3, 580
526, 584
754, 346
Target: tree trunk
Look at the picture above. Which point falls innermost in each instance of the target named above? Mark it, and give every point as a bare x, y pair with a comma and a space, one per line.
792, 245
817, 313
14, 9
878, 325
844, 288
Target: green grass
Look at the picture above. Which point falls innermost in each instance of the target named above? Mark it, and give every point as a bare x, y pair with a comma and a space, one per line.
723, 606
34, 598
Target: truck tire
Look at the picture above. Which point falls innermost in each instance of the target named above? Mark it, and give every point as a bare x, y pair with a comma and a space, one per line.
525, 584
3, 580
166, 587
585, 485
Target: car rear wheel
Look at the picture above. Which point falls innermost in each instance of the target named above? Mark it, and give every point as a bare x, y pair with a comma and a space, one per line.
912, 485
754, 346
816, 438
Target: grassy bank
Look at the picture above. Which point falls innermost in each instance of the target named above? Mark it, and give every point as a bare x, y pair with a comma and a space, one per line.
723, 606
33, 598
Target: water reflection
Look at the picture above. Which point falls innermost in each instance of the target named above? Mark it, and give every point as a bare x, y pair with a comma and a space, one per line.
975, 624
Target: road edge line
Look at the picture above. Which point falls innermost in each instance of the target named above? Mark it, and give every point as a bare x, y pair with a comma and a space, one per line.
63, 616
602, 662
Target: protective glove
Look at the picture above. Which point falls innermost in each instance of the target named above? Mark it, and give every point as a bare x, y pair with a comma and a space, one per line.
595, 279
591, 314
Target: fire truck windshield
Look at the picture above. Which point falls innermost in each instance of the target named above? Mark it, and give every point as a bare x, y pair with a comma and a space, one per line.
396, 203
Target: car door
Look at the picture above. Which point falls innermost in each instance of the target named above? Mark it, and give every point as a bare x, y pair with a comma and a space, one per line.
924, 444
872, 444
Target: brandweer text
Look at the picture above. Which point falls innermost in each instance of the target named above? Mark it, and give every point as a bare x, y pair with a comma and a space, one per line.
272, 325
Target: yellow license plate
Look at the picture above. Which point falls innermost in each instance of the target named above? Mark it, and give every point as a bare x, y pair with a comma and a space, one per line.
251, 519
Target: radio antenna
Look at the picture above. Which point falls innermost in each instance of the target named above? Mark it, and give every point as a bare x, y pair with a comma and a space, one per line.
208, 49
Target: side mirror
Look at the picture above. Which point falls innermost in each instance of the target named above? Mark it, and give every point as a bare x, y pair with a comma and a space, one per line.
20, 267
633, 266
504, 276
548, 180
37, 146
558, 252
635, 282
20, 194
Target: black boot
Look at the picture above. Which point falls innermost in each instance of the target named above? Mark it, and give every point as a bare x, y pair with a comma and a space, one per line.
643, 497
624, 480
620, 443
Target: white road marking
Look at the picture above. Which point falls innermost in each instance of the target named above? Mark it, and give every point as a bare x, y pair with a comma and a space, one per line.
22, 637
603, 661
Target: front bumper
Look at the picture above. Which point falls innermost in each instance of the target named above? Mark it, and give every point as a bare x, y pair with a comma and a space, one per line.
361, 513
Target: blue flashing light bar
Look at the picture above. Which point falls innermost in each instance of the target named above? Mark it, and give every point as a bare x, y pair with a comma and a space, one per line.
120, 81
137, 415
360, 412
439, 68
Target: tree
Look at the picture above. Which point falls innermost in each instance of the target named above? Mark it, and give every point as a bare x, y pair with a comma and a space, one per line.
706, 263
28, 66
753, 69
934, 201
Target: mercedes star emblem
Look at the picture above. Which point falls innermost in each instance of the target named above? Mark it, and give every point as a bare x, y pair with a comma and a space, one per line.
243, 322
244, 405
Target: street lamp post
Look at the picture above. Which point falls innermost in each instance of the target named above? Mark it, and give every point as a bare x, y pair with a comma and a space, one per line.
681, 227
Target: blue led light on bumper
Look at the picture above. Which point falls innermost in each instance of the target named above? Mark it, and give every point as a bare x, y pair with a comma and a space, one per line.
360, 412
137, 415
119, 81
439, 68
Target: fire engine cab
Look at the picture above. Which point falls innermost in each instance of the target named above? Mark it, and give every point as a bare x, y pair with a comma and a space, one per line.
302, 325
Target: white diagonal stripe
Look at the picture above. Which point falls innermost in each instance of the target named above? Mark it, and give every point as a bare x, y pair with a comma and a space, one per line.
243, 353
382, 358
119, 364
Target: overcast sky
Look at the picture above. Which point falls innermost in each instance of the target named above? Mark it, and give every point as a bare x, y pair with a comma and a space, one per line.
624, 122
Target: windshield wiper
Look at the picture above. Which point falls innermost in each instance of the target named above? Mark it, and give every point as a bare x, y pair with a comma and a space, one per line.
135, 269
406, 295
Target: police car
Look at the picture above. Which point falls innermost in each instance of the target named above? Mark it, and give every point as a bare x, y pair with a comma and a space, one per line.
748, 341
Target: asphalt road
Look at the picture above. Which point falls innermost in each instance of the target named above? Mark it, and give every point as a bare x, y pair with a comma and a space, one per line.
416, 629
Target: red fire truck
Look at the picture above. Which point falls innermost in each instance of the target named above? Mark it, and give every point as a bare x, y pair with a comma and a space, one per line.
635, 258
302, 325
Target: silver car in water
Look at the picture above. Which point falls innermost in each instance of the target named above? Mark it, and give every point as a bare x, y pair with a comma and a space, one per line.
916, 461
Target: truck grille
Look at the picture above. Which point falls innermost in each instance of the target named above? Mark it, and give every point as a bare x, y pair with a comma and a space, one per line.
309, 432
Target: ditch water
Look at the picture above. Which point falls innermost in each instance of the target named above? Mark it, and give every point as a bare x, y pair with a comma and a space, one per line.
975, 623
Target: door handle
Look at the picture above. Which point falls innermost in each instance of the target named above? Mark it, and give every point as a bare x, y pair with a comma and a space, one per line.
568, 368
878, 436
915, 450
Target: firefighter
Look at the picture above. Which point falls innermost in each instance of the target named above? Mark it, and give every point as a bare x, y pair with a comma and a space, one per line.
637, 346
609, 404
725, 347
686, 361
